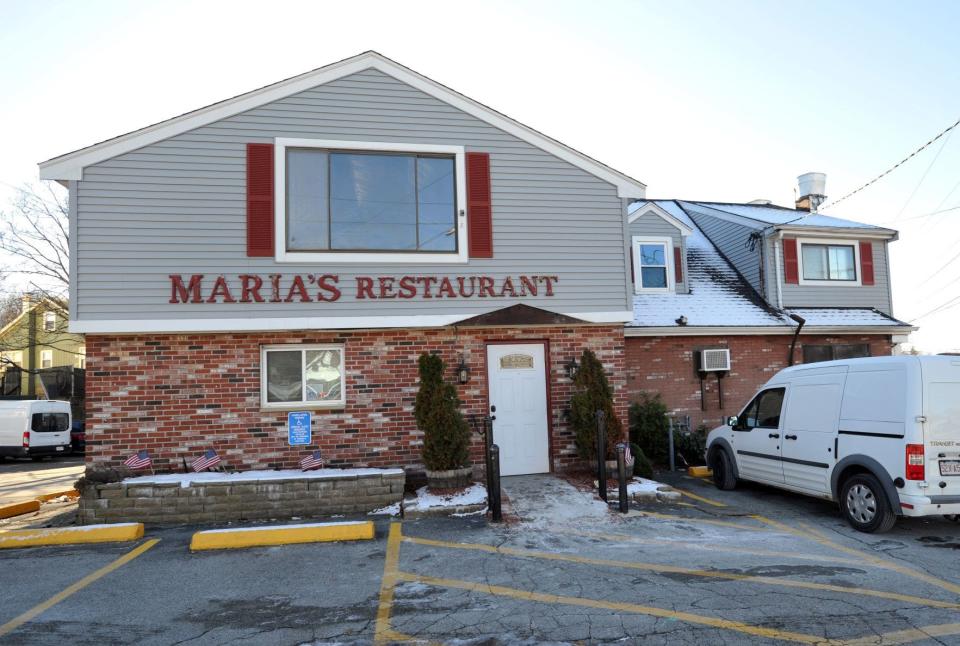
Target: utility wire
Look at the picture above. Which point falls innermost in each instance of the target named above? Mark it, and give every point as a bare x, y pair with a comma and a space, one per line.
953, 302
895, 166
923, 177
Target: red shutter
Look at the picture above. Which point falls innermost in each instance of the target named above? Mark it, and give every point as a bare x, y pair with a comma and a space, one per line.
260, 199
479, 211
677, 266
866, 263
791, 272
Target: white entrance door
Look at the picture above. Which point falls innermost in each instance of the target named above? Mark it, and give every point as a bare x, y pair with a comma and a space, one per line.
518, 391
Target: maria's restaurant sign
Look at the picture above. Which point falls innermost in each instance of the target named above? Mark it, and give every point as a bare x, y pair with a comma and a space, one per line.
309, 288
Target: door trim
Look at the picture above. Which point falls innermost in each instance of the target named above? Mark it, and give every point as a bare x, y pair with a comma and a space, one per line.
780, 458
546, 376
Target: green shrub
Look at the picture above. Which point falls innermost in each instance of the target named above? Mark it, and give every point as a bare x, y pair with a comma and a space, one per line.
691, 446
641, 464
649, 427
446, 435
592, 392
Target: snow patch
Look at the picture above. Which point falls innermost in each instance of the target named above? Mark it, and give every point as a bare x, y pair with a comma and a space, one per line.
214, 477
475, 494
389, 510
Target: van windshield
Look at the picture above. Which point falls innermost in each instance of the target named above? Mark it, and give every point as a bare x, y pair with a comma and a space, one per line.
50, 422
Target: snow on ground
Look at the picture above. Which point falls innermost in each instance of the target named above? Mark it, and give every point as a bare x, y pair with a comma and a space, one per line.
475, 494
546, 500
389, 510
215, 477
642, 485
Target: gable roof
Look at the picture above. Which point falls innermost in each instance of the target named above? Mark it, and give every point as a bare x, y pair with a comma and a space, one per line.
70, 165
638, 209
781, 217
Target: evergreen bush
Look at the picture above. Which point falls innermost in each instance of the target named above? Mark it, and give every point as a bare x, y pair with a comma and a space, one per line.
446, 434
592, 392
649, 427
641, 464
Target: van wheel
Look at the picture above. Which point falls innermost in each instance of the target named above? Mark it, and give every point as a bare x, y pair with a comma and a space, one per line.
36, 458
865, 505
723, 476
953, 517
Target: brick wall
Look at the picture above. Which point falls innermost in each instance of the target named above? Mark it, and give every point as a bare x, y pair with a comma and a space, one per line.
180, 394
665, 365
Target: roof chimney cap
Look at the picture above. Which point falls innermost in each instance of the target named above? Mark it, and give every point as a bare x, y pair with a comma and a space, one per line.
813, 191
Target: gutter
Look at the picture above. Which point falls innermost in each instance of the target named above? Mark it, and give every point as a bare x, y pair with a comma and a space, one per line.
762, 330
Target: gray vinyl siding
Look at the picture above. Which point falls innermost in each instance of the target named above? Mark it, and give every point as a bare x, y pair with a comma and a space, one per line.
651, 224
876, 295
178, 207
731, 239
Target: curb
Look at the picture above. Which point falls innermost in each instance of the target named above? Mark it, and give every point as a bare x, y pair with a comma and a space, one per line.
223, 539
69, 493
71, 535
700, 472
18, 508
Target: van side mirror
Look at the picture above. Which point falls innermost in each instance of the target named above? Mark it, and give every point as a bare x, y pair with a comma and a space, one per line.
732, 420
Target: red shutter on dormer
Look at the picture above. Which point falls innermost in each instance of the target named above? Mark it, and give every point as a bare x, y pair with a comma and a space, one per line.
260, 199
479, 210
866, 263
677, 265
791, 273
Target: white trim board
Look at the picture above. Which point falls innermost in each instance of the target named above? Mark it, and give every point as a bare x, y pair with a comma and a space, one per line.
70, 166
772, 330
652, 207
138, 326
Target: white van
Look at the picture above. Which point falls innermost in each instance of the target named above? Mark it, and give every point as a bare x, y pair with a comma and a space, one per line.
879, 435
34, 428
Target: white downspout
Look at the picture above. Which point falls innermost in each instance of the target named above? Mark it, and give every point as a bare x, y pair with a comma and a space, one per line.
776, 267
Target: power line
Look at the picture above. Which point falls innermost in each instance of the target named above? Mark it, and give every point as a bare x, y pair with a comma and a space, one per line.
953, 302
923, 177
895, 166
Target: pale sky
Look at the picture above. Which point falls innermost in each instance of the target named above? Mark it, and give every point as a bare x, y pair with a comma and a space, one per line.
724, 101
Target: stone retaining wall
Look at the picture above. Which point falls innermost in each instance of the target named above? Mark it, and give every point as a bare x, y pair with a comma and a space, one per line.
212, 502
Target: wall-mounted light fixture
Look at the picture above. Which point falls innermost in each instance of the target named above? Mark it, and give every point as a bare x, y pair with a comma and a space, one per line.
463, 372
572, 367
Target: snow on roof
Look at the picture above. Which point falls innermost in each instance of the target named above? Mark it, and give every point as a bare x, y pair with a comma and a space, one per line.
772, 214
843, 316
718, 296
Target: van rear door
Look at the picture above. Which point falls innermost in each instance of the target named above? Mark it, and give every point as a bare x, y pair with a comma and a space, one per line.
941, 407
49, 428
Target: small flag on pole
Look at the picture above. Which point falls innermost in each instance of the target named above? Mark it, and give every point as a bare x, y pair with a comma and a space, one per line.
206, 461
627, 456
139, 460
312, 461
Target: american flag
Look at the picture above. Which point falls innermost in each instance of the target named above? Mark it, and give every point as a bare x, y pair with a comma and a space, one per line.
627, 456
139, 460
312, 461
207, 460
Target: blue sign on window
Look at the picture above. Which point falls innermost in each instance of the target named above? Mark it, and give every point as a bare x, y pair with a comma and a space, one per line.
298, 428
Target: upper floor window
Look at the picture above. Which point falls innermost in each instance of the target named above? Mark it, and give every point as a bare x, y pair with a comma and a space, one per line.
829, 262
49, 321
652, 260
351, 202
46, 358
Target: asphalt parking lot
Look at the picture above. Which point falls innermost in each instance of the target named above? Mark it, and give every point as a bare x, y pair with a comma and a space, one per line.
751, 566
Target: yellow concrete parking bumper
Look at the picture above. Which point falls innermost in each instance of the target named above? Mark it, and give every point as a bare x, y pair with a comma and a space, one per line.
71, 535
69, 493
222, 539
700, 472
17, 508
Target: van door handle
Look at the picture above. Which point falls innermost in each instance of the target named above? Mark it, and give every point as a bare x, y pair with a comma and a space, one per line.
774, 435
790, 437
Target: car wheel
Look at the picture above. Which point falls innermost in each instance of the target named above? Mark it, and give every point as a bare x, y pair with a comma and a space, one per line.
865, 505
953, 517
722, 467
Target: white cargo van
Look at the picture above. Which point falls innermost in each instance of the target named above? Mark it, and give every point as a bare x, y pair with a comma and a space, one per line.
34, 428
881, 436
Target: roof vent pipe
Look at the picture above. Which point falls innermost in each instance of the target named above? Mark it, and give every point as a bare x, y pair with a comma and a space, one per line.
813, 191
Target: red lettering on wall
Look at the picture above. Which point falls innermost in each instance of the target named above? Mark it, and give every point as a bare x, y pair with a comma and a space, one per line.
386, 287
408, 288
300, 289
426, 281
221, 290
328, 282
446, 289
250, 286
180, 293
507, 286
275, 287
364, 287
462, 281
549, 280
528, 286
486, 287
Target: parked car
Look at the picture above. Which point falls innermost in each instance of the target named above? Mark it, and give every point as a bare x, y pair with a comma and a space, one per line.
78, 437
879, 435
34, 428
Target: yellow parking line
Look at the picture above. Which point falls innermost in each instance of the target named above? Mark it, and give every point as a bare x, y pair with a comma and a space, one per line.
906, 636
672, 569
721, 523
708, 546
16, 622
524, 595
689, 494
811, 534
383, 634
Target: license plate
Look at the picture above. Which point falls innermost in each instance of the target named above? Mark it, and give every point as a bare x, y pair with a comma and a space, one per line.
59, 448
950, 467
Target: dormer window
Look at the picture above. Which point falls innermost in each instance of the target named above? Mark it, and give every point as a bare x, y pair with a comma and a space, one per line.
825, 261
49, 321
652, 264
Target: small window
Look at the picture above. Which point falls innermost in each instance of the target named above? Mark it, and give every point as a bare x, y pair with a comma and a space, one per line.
764, 410
651, 257
302, 376
832, 262
815, 353
46, 358
82, 357
49, 321
50, 422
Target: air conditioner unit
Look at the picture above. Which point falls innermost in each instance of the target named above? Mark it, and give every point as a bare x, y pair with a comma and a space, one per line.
714, 360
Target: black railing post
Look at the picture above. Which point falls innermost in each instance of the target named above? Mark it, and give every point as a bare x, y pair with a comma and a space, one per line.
494, 484
601, 455
487, 443
622, 476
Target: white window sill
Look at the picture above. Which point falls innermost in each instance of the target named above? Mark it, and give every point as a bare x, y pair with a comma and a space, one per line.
412, 258
292, 406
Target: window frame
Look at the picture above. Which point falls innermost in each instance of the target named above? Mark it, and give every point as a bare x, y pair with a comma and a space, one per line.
51, 318
281, 254
667, 243
830, 242
741, 419
43, 355
833, 351
303, 404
